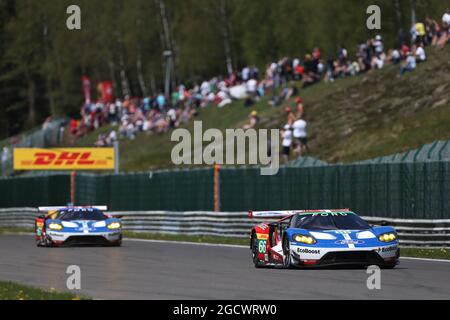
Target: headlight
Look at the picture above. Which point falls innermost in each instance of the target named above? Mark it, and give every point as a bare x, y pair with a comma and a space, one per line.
114, 225
55, 226
304, 239
387, 237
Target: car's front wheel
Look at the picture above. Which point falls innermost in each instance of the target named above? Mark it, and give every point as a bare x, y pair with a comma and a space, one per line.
287, 257
44, 241
117, 244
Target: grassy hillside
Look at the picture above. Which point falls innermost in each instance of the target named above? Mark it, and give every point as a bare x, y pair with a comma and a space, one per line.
352, 119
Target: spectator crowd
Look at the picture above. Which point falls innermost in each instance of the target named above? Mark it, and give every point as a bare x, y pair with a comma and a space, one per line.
280, 81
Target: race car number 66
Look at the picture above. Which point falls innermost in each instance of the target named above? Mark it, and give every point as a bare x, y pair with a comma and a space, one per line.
253, 309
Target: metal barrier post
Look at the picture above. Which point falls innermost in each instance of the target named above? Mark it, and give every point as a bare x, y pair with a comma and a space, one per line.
116, 157
217, 188
72, 187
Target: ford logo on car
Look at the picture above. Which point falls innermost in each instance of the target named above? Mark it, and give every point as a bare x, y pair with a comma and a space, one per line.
349, 242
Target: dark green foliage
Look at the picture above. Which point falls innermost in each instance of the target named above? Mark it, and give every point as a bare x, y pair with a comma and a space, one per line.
41, 61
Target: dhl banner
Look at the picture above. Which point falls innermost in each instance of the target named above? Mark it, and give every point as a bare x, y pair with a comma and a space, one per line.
64, 159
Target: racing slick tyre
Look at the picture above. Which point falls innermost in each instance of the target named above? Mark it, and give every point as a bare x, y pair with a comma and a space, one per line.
255, 259
287, 258
46, 242
116, 244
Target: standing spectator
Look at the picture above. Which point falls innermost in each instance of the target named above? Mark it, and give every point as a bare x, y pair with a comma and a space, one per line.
73, 129
172, 118
112, 137
301, 136
251, 87
446, 17
5, 159
435, 31
245, 74
253, 120
378, 47
342, 54
290, 116
286, 135
112, 114
299, 108
161, 101
420, 32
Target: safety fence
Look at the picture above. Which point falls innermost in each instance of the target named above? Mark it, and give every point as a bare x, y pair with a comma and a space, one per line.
412, 233
413, 190
51, 135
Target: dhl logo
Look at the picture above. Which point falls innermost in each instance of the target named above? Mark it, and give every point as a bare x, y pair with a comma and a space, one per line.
44, 159
75, 158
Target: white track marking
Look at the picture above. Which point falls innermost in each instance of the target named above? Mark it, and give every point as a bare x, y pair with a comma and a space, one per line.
247, 247
193, 243
227, 245
424, 259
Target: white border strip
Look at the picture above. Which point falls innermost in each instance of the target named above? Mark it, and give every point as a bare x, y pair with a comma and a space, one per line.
227, 246
247, 247
190, 242
423, 259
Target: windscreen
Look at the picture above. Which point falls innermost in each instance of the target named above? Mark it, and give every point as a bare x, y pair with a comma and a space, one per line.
330, 221
95, 215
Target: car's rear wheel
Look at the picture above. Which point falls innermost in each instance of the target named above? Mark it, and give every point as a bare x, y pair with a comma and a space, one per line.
38, 243
46, 242
255, 259
287, 258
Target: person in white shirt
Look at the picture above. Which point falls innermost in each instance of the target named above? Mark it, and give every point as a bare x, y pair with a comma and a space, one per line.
420, 53
245, 73
378, 45
251, 86
446, 17
205, 88
300, 134
4, 159
286, 135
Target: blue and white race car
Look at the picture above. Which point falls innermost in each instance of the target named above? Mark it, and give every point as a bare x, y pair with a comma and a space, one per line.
313, 238
77, 226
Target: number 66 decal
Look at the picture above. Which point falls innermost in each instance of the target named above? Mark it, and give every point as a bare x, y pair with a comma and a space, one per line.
262, 246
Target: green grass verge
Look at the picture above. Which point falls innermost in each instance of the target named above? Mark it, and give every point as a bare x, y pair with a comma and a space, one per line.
15, 230
442, 253
14, 291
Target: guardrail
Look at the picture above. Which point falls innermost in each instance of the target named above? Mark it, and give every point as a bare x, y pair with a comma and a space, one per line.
412, 233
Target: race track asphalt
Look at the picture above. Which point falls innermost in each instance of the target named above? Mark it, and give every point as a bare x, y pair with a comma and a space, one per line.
161, 270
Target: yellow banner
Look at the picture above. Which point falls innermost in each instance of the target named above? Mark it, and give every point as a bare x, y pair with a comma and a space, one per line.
64, 159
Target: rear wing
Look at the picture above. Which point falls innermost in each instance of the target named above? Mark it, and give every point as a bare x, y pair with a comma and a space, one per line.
46, 209
287, 213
